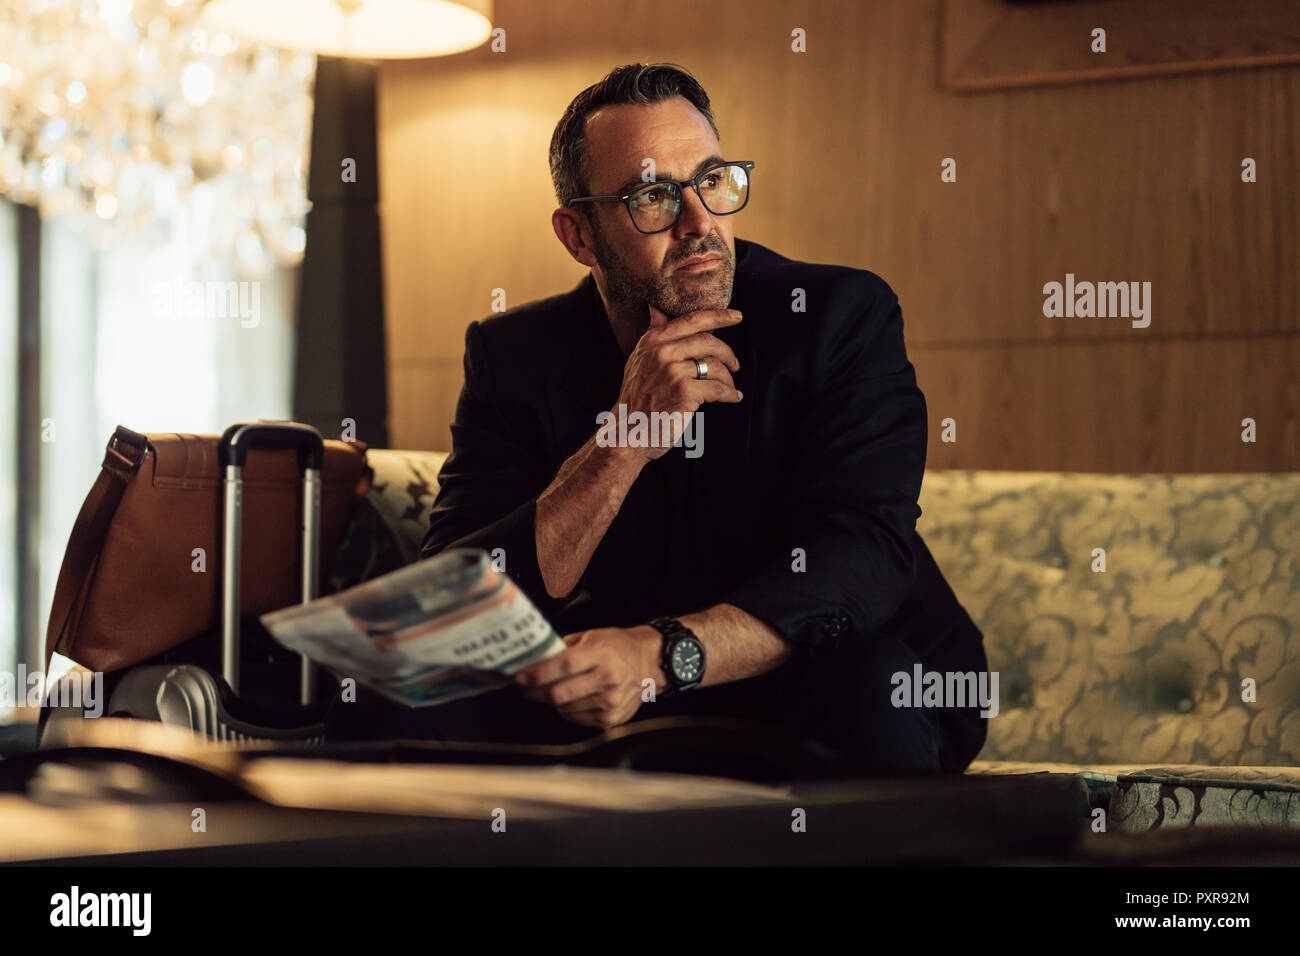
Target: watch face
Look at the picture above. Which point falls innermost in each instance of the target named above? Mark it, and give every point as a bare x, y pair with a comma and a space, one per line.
687, 660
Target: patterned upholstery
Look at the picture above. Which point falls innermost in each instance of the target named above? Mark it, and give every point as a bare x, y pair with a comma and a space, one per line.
406, 482
388, 527
1144, 662
1133, 674
1186, 796
1129, 679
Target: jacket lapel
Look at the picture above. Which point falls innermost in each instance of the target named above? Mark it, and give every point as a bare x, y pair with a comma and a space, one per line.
579, 386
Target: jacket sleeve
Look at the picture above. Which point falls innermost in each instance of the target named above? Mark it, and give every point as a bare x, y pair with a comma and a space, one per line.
489, 484
854, 481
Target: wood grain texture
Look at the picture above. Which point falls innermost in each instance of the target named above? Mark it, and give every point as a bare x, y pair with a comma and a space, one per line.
991, 44
1135, 180
1164, 406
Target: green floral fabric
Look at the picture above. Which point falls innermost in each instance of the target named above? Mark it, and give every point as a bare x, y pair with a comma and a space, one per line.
1205, 796
1145, 661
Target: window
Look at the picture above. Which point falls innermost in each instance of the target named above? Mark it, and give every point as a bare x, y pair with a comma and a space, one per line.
125, 340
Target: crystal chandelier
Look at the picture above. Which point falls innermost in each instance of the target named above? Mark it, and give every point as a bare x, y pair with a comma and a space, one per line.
113, 111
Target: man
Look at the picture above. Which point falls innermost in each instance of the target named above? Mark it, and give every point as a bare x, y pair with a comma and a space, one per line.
765, 566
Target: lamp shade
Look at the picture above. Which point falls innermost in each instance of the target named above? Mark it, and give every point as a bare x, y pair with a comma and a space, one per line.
368, 29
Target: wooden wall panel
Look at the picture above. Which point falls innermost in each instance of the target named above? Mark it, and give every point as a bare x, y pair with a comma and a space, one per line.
1173, 406
993, 44
1125, 180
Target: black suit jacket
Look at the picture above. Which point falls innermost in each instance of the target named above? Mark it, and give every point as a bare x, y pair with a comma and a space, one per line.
824, 454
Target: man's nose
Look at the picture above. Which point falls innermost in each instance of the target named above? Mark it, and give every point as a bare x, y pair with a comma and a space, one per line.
695, 219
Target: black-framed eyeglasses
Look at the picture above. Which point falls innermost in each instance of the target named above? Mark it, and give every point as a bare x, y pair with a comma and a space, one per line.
656, 206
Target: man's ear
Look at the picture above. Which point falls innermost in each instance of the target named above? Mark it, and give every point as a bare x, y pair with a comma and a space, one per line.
573, 232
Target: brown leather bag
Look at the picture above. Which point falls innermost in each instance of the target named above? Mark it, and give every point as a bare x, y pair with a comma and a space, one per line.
128, 588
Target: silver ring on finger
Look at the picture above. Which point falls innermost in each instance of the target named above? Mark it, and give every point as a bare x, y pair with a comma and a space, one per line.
701, 368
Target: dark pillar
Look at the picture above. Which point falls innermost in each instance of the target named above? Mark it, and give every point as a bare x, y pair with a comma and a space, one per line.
340, 369
28, 625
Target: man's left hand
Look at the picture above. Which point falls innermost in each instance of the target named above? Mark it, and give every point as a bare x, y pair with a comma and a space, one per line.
597, 680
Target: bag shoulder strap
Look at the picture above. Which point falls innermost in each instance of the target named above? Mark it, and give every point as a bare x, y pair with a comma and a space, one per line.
122, 457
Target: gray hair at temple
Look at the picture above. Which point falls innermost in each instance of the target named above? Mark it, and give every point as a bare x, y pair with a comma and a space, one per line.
642, 84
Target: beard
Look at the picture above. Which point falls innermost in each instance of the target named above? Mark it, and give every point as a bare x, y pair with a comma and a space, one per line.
673, 294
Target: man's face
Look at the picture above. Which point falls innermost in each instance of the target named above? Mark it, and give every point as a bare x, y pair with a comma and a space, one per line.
634, 268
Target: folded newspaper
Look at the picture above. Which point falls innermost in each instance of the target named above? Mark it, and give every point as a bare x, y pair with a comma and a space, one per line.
443, 628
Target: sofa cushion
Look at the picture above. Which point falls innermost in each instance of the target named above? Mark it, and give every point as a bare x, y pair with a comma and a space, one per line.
1137, 798
406, 484
1144, 662
389, 525
1206, 796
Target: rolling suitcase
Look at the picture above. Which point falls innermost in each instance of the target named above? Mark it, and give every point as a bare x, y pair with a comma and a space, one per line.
191, 688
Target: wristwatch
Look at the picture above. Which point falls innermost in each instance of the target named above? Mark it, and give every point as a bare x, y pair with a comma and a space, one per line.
682, 657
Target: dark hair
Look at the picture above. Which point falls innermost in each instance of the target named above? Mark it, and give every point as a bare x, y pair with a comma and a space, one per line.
636, 83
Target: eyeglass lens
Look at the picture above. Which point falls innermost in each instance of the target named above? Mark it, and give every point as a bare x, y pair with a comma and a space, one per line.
723, 190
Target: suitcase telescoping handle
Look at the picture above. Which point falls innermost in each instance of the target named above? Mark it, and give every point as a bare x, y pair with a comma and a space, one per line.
233, 453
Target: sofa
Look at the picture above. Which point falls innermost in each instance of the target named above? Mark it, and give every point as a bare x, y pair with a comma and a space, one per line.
1145, 628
